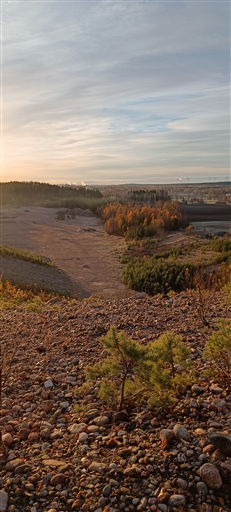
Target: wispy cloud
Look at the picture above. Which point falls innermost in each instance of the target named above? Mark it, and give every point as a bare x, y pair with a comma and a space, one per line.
116, 91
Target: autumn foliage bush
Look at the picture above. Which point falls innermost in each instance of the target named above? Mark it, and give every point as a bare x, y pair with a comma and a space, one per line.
134, 222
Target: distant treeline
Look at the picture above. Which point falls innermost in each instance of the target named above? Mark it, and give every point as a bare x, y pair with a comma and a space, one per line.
134, 222
148, 196
22, 193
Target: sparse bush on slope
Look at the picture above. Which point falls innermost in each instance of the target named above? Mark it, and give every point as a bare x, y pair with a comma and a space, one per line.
153, 374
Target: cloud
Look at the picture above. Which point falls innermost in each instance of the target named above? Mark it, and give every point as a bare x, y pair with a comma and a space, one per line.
111, 87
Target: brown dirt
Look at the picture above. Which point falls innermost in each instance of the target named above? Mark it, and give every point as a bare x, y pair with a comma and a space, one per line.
86, 256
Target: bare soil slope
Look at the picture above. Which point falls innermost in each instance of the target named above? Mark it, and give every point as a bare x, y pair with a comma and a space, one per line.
82, 250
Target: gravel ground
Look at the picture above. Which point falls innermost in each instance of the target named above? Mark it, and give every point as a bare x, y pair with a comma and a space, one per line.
61, 460
84, 253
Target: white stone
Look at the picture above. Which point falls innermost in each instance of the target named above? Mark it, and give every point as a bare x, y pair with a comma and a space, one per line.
48, 384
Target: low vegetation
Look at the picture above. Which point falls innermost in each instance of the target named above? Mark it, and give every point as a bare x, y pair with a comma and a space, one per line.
30, 298
154, 374
21, 254
218, 353
178, 268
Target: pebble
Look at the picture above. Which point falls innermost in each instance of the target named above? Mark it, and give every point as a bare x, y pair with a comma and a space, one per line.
181, 432
210, 476
176, 500
3, 501
222, 442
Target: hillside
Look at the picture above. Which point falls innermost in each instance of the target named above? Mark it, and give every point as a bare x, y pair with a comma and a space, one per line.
59, 459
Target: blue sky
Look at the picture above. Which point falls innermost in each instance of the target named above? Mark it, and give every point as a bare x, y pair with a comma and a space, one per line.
111, 91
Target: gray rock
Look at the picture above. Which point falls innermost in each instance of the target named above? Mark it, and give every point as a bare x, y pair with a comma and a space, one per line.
64, 405
222, 442
76, 428
101, 420
202, 488
176, 500
216, 390
23, 468
182, 483
210, 476
83, 436
181, 432
162, 507
90, 415
48, 384
98, 467
3, 501
107, 491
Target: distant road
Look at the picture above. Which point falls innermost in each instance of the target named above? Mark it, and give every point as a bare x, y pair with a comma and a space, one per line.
206, 212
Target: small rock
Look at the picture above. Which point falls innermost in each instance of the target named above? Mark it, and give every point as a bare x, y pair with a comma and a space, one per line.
120, 416
23, 468
83, 436
3, 501
181, 432
167, 435
98, 467
57, 479
107, 491
101, 420
64, 405
47, 405
48, 384
210, 476
142, 504
182, 483
7, 439
176, 500
216, 390
90, 415
202, 488
13, 464
222, 442
76, 428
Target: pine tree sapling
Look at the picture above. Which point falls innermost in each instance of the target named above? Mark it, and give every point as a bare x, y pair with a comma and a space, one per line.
154, 373
169, 368
125, 355
218, 351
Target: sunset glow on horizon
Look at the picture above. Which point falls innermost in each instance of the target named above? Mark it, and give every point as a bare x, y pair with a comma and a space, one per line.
107, 91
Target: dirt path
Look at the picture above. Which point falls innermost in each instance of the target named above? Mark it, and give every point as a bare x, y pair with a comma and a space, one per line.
86, 255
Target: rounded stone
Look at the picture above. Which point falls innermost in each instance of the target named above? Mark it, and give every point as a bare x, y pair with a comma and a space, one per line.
7, 439
177, 500
83, 436
181, 432
3, 501
57, 479
210, 476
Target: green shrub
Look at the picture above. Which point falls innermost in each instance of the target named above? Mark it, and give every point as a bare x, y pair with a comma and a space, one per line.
218, 352
154, 374
155, 276
125, 355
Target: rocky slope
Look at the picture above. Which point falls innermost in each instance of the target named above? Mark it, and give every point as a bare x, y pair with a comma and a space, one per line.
98, 460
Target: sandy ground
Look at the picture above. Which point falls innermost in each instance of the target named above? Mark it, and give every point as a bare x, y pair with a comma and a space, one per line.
86, 255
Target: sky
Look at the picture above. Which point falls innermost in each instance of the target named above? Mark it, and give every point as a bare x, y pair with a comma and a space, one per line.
110, 91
